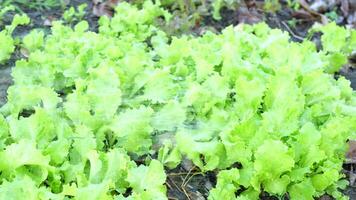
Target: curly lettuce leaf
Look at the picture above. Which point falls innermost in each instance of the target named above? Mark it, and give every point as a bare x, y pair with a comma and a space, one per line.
147, 181
133, 129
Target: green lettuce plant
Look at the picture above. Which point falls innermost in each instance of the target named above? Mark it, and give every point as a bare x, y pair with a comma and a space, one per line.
7, 42
86, 108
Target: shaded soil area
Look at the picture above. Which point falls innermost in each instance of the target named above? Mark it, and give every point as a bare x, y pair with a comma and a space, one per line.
186, 182
5, 82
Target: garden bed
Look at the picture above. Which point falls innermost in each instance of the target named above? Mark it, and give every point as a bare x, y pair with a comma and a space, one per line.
187, 181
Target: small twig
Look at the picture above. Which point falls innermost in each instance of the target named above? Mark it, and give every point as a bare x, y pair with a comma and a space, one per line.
350, 161
177, 174
182, 173
186, 176
184, 191
175, 185
291, 32
194, 174
186, 194
168, 185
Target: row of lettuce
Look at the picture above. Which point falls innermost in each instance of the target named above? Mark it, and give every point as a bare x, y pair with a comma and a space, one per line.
88, 112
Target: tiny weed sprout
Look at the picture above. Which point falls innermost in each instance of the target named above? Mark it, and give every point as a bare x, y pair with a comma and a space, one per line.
86, 109
74, 14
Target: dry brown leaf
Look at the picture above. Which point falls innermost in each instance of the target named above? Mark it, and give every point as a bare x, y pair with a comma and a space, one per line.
112, 3
345, 7
319, 6
305, 6
48, 21
101, 10
302, 14
104, 8
25, 52
248, 16
351, 153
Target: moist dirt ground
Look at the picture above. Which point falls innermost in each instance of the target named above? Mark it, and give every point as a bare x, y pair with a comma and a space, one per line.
186, 181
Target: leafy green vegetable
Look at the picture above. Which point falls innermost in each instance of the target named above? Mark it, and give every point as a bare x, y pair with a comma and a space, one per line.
133, 130
74, 14
88, 109
7, 42
169, 156
337, 43
226, 185
272, 159
7, 46
20, 188
217, 5
147, 181
33, 40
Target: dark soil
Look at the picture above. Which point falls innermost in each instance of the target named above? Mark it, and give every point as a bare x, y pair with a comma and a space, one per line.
186, 182
5, 82
189, 184
350, 74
